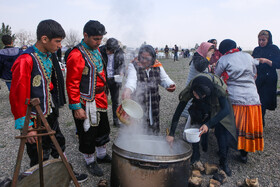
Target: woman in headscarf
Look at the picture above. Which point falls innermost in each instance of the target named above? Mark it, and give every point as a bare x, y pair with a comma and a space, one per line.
241, 70
144, 75
216, 55
199, 63
267, 76
210, 109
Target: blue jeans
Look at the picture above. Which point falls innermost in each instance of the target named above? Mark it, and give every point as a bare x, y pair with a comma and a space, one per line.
8, 85
175, 56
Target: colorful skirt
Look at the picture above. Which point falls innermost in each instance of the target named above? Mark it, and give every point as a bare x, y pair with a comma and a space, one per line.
249, 127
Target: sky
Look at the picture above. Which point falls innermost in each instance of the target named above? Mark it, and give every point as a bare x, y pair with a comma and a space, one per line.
156, 22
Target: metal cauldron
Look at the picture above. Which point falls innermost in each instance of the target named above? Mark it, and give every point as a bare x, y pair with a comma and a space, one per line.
149, 161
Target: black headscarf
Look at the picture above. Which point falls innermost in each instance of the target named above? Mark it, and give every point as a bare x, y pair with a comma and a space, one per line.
269, 42
269, 51
200, 109
202, 86
211, 40
226, 45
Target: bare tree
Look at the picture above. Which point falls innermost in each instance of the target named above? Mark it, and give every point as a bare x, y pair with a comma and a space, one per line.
24, 37
72, 38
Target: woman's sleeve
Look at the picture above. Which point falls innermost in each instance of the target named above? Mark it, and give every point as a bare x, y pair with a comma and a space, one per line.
224, 111
275, 58
131, 77
219, 69
180, 108
165, 80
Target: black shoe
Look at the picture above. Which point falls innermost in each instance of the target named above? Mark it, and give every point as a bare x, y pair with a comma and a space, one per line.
117, 124
106, 159
243, 159
243, 156
226, 169
94, 169
80, 177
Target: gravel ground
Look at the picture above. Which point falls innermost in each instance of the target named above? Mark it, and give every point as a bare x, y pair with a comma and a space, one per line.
263, 165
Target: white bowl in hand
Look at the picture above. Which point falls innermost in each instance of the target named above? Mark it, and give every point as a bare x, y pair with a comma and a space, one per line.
118, 78
192, 135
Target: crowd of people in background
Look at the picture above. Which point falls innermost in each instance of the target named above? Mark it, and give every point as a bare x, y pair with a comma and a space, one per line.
226, 89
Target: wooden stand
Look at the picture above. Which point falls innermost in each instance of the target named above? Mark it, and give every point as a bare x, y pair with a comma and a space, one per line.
40, 117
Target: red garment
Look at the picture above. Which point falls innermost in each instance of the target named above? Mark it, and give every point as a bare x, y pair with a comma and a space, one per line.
215, 57
225, 76
232, 51
75, 67
21, 85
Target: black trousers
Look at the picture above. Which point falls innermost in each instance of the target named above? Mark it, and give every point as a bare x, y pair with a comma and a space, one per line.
95, 136
223, 137
47, 144
263, 114
114, 92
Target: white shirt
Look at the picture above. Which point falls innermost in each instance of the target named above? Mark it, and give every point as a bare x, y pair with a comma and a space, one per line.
110, 66
131, 82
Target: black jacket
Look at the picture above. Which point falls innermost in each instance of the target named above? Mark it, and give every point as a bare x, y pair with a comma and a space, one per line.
119, 64
8, 56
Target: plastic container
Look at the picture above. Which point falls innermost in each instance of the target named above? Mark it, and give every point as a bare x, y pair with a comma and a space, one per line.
118, 78
128, 111
192, 135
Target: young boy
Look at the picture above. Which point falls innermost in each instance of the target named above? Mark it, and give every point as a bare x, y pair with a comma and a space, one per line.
36, 75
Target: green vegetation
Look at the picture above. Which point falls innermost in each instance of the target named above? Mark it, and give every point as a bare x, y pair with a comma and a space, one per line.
5, 29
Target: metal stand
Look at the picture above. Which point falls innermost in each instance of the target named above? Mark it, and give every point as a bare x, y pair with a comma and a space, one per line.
40, 117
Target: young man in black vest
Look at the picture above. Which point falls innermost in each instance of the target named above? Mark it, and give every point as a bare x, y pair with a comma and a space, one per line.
37, 74
86, 86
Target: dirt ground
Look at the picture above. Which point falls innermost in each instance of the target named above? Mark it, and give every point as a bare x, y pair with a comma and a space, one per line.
263, 165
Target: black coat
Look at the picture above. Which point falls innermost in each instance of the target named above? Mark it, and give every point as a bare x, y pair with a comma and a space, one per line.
267, 78
119, 64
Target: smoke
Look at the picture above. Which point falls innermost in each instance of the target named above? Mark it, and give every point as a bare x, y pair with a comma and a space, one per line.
130, 17
132, 139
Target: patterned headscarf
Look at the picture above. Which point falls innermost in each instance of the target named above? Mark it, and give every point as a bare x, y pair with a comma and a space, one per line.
204, 48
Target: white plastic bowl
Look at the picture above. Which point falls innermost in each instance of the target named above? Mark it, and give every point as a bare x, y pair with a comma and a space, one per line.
132, 108
192, 135
118, 78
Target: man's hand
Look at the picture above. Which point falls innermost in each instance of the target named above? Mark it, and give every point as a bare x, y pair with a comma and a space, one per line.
31, 140
203, 129
80, 114
171, 88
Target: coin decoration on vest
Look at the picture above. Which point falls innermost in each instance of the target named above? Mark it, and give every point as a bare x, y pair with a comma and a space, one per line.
36, 81
85, 70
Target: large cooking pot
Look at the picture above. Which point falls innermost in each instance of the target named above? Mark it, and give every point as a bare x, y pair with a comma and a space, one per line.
148, 161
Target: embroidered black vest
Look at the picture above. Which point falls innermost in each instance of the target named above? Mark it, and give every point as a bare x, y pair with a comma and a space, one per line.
88, 80
146, 87
39, 84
